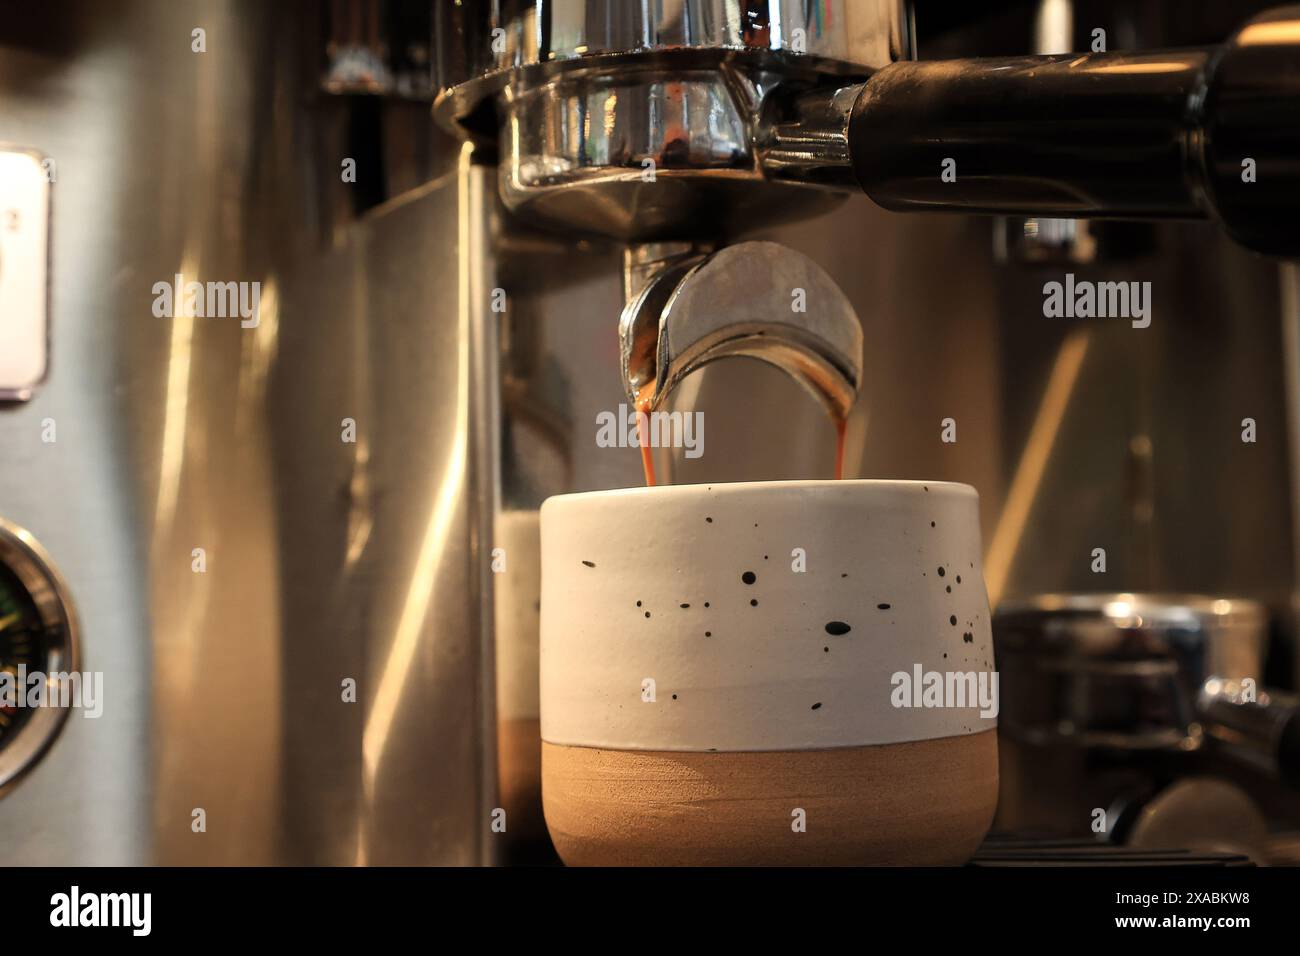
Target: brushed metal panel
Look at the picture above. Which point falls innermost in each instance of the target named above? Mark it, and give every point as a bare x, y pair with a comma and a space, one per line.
387, 585
324, 559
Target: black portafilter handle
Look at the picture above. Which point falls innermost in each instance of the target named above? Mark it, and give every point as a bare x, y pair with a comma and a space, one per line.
1179, 134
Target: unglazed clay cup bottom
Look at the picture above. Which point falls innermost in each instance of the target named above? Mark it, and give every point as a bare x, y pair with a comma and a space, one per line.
718, 675
923, 803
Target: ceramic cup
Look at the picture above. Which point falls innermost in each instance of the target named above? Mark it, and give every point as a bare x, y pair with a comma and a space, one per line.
792, 672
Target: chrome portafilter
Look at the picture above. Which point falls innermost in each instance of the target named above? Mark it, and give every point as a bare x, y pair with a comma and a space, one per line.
755, 299
653, 122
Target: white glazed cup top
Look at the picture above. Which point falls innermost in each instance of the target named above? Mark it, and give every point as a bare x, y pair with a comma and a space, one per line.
763, 616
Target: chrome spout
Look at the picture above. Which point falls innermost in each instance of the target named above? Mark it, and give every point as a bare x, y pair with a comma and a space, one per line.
757, 299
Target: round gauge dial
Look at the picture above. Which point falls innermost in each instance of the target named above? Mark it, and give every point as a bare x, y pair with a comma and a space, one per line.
38, 643
22, 646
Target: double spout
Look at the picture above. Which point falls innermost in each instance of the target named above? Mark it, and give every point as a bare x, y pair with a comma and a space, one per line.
756, 299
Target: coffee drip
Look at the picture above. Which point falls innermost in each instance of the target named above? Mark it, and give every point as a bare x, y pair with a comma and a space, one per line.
841, 429
686, 310
644, 401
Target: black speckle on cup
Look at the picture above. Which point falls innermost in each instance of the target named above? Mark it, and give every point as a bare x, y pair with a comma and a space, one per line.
837, 628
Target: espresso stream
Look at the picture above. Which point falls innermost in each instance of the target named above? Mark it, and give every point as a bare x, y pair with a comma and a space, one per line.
643, 395
643, 399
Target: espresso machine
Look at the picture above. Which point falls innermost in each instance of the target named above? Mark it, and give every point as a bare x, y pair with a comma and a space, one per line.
303, 552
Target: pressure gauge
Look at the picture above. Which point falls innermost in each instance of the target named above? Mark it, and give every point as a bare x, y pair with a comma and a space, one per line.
38, 645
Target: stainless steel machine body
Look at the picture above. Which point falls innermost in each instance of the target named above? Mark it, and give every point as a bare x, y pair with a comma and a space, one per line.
326, 559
